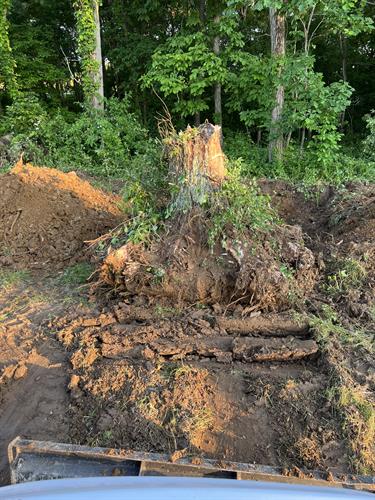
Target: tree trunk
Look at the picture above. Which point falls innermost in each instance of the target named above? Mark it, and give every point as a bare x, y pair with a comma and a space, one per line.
202, 11
344, 67
276, 144
7, 70
97, 100
196, 156
90, 50
217, 89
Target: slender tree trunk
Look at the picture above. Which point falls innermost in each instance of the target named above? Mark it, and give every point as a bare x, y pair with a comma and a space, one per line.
202, 11
217, 88
288, 139
90, 50
7, 72
97, 100
344, 68
303, 137
276, 144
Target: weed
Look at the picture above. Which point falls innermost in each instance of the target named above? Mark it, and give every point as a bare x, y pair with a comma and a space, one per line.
10, 279
359, 424
173, 371
158, 274
77, 274
104, 438
201, 420
163, 311
287, 271
350, 273
327, 326
239, 206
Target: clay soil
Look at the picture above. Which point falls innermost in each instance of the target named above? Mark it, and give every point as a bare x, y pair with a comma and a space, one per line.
46, 215
141, 373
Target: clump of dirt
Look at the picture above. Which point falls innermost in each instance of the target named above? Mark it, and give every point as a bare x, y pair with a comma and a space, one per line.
46, 215
263, 271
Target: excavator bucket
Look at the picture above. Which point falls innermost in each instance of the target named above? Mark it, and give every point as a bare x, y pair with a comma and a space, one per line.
42, 460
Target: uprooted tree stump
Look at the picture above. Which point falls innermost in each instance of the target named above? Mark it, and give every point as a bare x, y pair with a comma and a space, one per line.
195, 156
247, 269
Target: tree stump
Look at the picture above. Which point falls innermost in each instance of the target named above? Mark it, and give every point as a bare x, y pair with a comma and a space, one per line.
197, 162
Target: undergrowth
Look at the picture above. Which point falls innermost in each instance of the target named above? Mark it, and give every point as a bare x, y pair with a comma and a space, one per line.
326, 327
346, 274
10, 278
77, 274
300, 167
350, 400
357, 416
238, 206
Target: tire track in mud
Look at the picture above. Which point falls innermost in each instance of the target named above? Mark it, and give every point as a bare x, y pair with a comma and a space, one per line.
228, 388
35, 406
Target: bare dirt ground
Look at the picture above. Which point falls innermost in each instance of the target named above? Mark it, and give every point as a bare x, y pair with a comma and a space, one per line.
294, 388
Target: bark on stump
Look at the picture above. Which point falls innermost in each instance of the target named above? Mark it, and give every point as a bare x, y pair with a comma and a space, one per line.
196, 156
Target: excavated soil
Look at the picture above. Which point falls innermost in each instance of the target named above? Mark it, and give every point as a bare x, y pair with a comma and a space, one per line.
212, 378
247, 390
46, 215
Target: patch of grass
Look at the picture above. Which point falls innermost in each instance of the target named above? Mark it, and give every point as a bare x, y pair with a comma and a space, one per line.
104, 438
349, 273
164, 311
326, 327
9, 279
359, 425
77, 274
172, 371
201, 420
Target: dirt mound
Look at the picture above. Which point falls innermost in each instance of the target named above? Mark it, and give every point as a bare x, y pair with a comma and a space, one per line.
258, 272
352, 218
46, 215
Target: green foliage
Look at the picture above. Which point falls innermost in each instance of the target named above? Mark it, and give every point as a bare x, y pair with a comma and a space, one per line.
7, 66
185, 67
299, 167
142, 228
326, 328
10, 279
77, 274
44, 50
84, 11
348, 274
108, 142
238, 206
369, 142
24, 117
309, 103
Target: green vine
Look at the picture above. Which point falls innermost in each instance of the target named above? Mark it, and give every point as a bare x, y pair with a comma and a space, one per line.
7, 68
85, 19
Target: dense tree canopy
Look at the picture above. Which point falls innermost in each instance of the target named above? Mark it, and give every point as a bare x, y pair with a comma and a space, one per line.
200, 59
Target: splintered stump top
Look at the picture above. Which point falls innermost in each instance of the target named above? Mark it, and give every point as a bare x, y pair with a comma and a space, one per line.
196, 153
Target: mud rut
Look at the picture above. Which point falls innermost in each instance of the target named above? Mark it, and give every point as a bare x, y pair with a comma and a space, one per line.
33, 365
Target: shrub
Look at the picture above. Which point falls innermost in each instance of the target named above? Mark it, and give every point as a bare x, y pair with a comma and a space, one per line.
109, 143
300, 167
369, 142
238, 205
